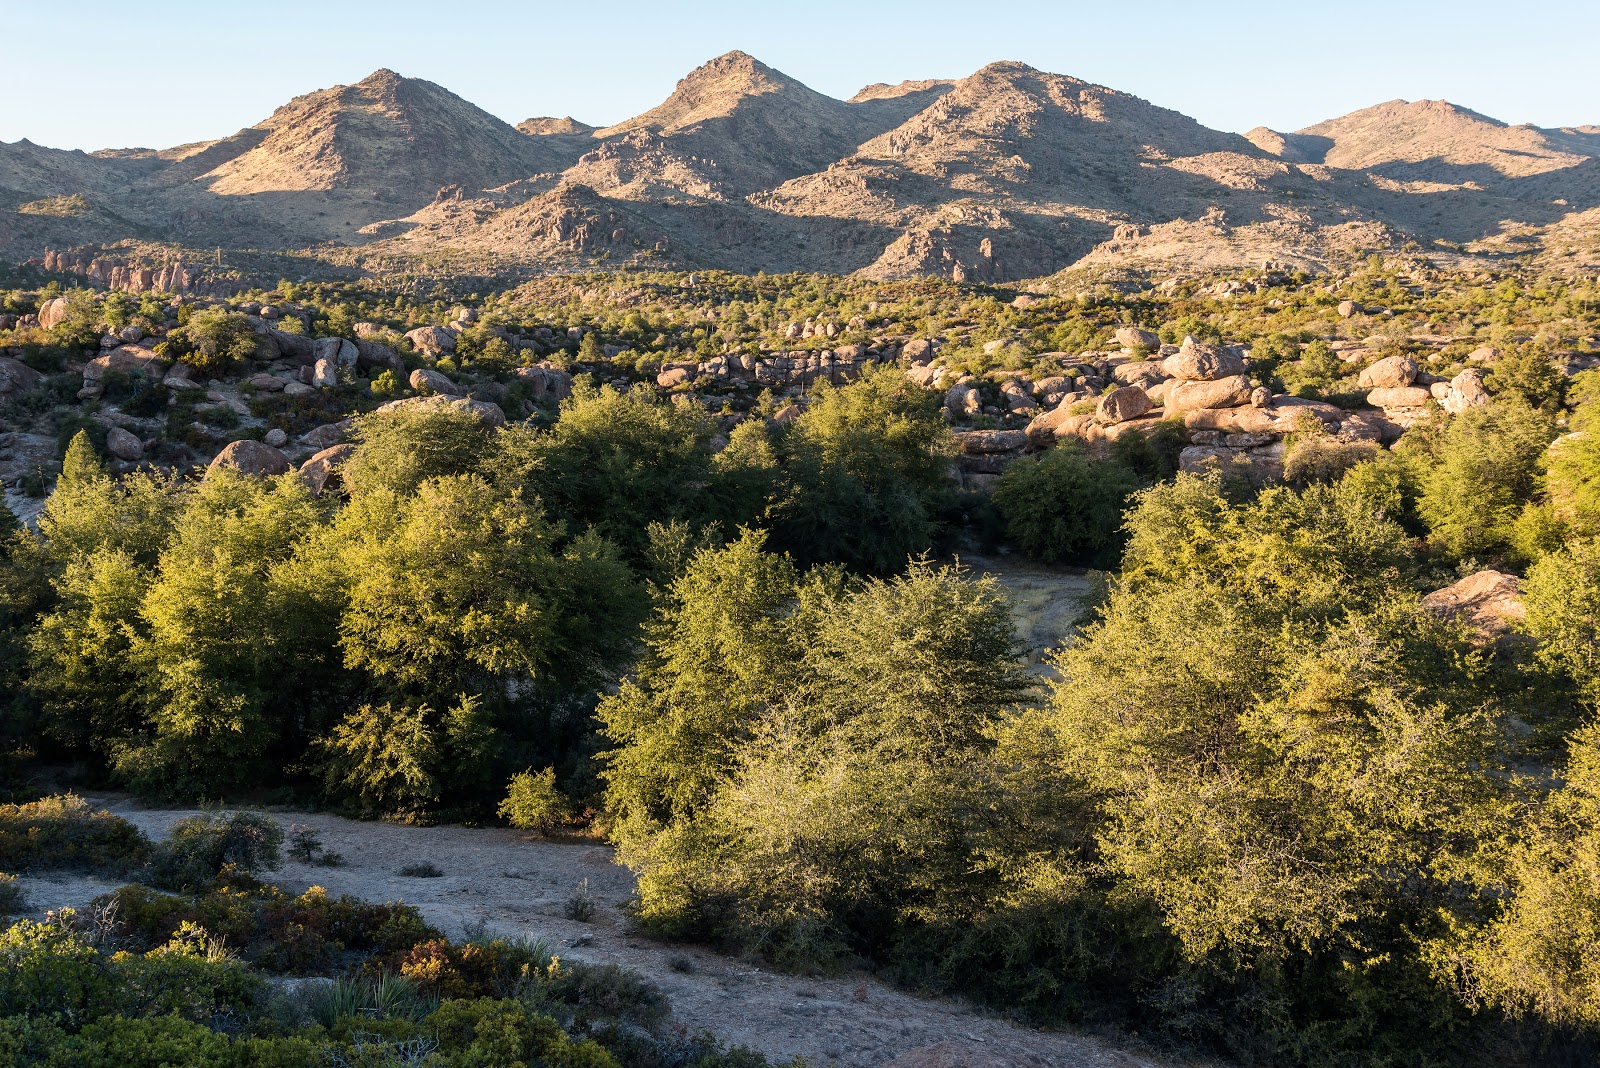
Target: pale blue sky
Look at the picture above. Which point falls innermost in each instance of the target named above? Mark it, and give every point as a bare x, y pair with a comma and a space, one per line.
95, 73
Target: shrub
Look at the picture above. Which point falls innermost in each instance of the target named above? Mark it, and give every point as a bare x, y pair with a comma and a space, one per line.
424, 870
11, 896
534, 804
203, 848
64, 831
48, 968
270, 928
581, 905
1066, 506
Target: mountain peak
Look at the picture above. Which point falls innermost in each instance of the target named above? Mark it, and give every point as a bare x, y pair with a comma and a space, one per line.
1435, 140
716, 90
381, 78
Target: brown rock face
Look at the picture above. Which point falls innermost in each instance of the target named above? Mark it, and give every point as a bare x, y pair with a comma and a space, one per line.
1490, 602
250, 458
1234, 392
322, 470
1121, 405
1399, 397
1198, 362
1389, 373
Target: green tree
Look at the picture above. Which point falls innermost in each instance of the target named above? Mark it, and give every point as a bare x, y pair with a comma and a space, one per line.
1066, 505
215, 340
1483, 467
863, 480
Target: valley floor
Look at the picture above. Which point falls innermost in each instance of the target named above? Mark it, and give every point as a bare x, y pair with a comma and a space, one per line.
515, 885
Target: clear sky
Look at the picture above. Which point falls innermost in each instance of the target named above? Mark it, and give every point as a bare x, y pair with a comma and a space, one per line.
109, 73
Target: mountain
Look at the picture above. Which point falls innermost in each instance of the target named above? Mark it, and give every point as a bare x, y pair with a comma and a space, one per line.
1006, 174
1435, 141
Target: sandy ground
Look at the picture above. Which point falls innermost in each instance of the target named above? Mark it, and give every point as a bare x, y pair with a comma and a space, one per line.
517, 885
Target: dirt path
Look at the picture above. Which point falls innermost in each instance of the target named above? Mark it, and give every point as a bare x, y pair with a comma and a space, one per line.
515, 885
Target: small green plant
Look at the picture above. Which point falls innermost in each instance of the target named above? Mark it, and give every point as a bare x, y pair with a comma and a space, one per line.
534, 804
305, 845
424, 870
12, 900
581, 906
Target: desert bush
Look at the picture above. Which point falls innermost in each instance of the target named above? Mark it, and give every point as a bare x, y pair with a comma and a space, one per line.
12, 899
201, 849
271, 929
214, 340
534, 804
65, 831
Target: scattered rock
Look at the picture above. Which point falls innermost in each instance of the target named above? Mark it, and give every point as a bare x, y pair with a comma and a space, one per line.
1490, 602
276, 437
124, 445
251, 458
1391, 372
428, 381
1121, 405
432, 340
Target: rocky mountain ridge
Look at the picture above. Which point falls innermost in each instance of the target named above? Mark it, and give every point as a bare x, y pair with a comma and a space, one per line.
1009, 173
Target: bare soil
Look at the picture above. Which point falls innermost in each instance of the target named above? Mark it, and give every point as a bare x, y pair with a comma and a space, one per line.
517, 885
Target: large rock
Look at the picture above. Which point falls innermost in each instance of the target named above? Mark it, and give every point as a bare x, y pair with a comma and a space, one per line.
432, 340
328, 434
1131, 337
962, 399
1466, 391
52, 313
1060, 422
322, 470
250, 458
545, 380
1489, 602
377, 354
917, 350
127, 360
1391, 372
337, 351
991, 442
428, 381
16, 376
326, 374
124, 445
487, 412
1139, 372
1189, 396
1399, 397
673, 377
297, 347
1199, 362
1120, 405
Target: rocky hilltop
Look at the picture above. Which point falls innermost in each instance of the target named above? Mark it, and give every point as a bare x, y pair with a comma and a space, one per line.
1007, 174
